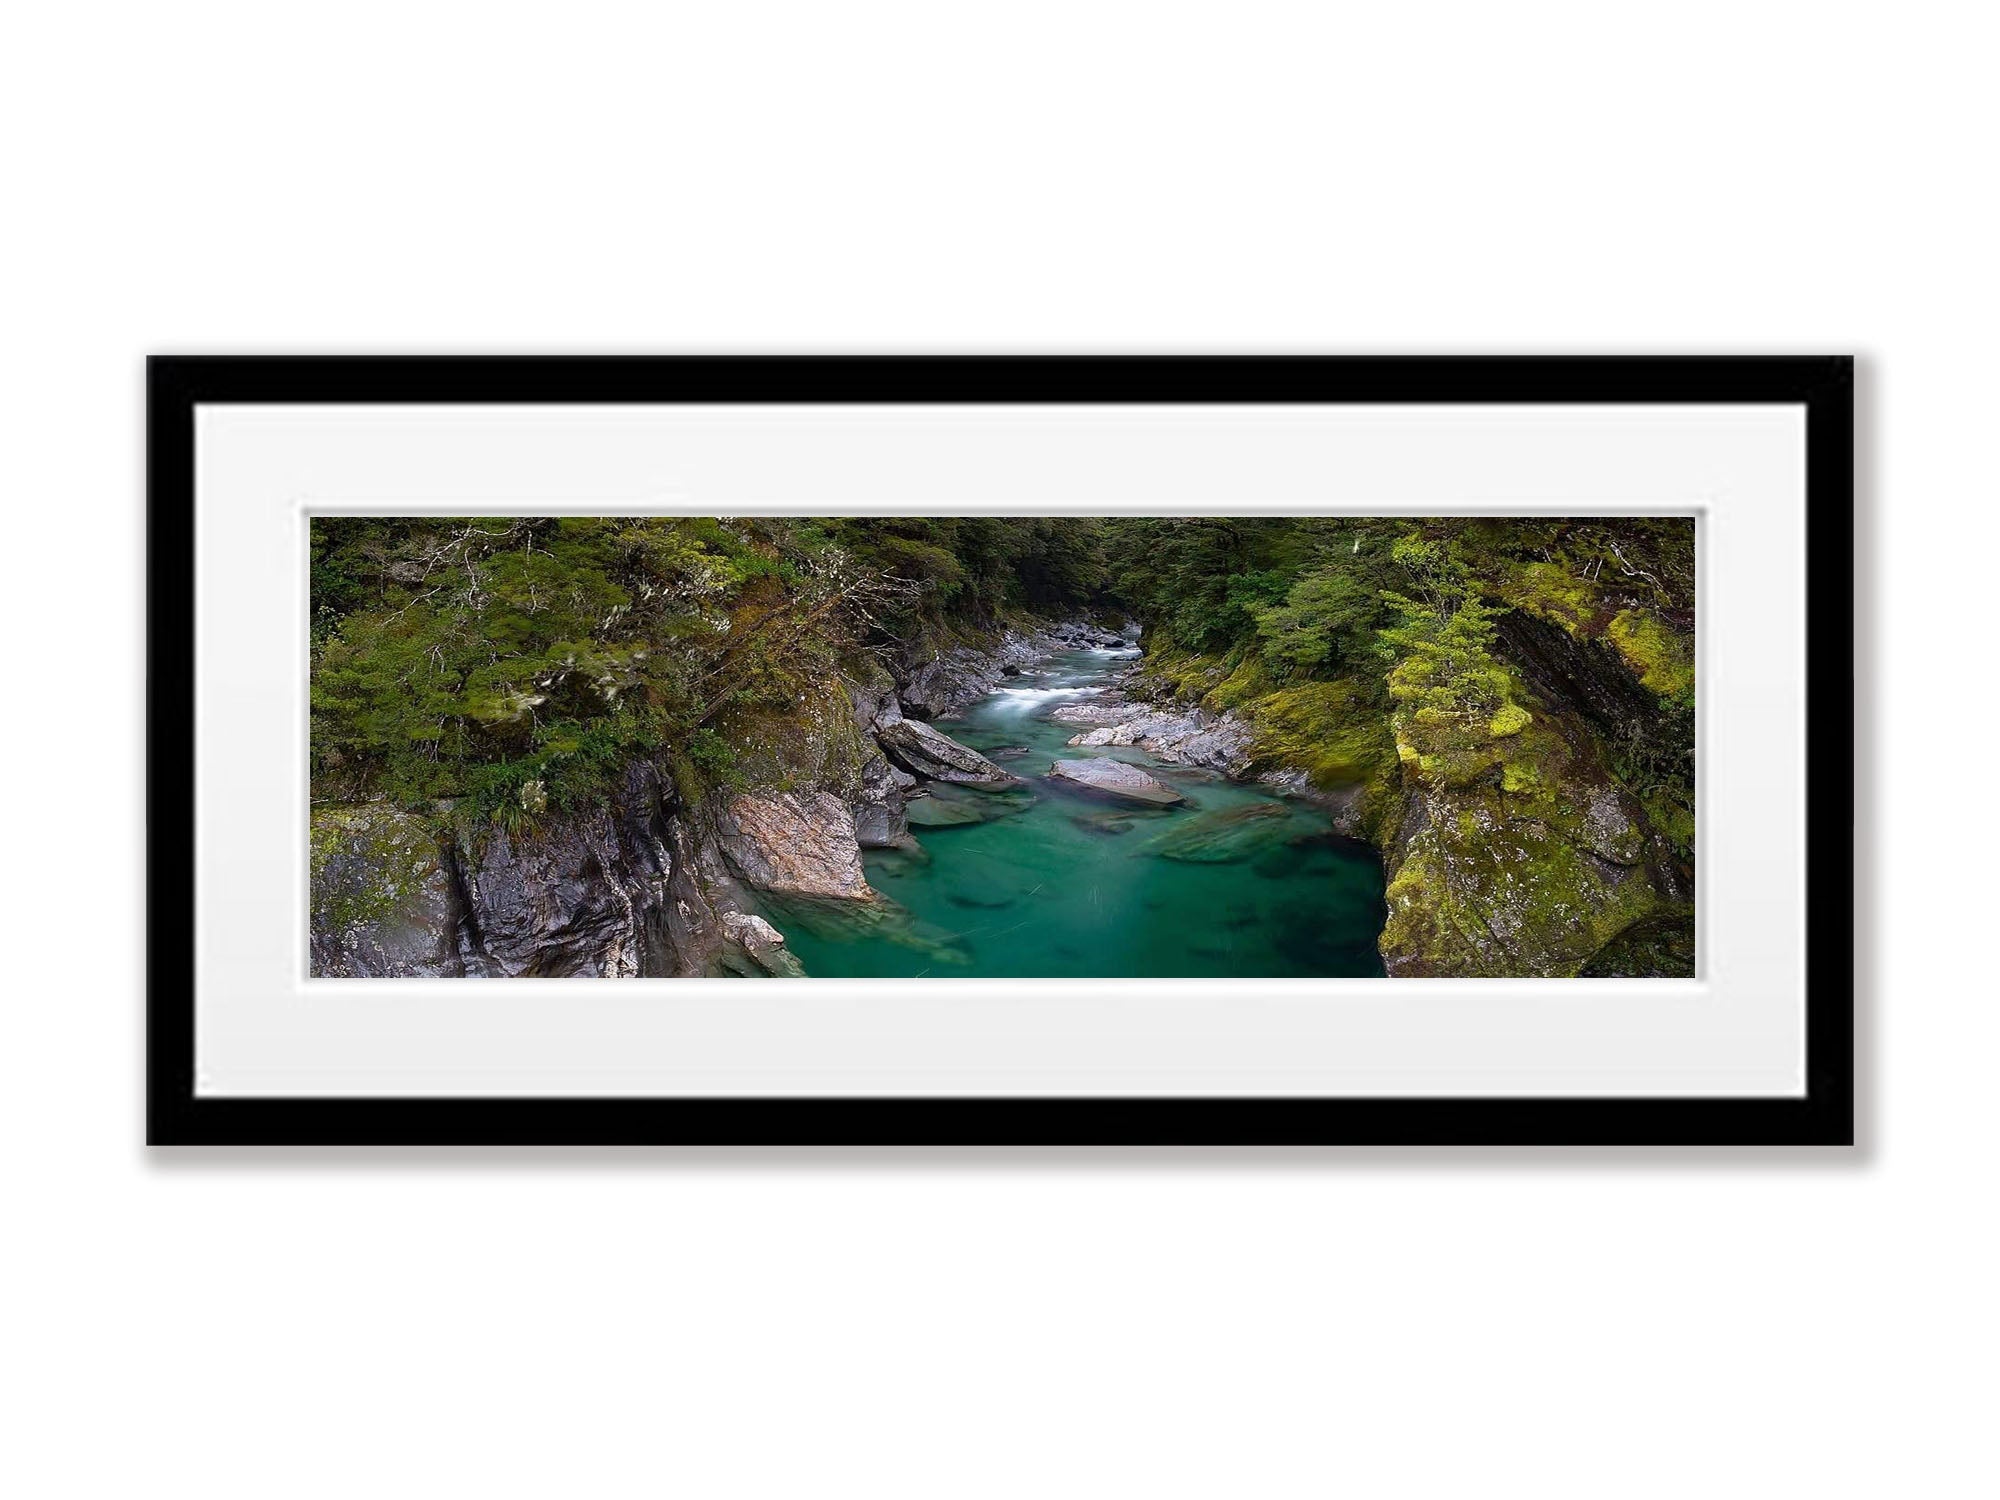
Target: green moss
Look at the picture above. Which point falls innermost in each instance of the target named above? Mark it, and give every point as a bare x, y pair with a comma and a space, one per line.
1552, 592
1338, 734
808, 737
1511, 720
1662, 658
1247, 682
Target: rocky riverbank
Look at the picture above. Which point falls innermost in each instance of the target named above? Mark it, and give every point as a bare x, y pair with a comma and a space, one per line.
1521, 855
1518, 855
655, 882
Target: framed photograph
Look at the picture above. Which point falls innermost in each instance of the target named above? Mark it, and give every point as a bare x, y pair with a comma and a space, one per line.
1023, 751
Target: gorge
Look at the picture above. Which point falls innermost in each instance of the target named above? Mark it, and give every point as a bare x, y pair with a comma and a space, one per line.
1314, 747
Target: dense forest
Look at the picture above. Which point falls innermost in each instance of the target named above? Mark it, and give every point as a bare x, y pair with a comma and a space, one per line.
1491, 703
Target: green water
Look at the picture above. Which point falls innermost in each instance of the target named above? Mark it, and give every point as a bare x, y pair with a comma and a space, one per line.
1055, 883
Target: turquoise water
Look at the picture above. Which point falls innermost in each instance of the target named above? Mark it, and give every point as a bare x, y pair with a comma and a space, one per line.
1054, 883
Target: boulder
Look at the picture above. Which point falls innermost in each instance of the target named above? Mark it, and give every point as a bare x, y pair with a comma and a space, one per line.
1115, 778
879, 821
925, 752
793, 844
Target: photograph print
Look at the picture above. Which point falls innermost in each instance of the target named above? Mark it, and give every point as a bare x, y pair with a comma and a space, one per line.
1203, 747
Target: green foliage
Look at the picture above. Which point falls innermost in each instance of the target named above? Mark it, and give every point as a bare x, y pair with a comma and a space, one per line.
518, 663
1453, 696
711, 755
1327, 621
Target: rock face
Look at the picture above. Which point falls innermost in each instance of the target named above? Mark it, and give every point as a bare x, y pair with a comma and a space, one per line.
793, 844
1586, 674
1115, 778
649, 885
924, 751
382, 898
1528, 860
610, 893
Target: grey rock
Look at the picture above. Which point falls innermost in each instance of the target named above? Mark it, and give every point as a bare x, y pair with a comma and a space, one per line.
1183, 737
382, 898
879, 821
1115, 778
611, 893
762, 943
926, 752
793, 844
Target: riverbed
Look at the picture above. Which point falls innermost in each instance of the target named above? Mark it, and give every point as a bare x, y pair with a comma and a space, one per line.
1045, 881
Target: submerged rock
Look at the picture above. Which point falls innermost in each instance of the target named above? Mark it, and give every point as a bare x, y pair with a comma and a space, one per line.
880, 919
1115, 778
945, 806
1107, 824
925, 752
975, 898
1226, 835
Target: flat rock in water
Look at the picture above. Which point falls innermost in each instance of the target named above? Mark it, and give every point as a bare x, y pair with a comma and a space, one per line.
1115, 778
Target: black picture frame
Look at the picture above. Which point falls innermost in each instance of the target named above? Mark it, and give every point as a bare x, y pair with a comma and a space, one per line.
1824, 1115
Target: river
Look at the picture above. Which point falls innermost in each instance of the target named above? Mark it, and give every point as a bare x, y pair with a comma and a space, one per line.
1237, 883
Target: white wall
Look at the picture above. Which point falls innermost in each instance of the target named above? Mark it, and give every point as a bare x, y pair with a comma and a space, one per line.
1527, 177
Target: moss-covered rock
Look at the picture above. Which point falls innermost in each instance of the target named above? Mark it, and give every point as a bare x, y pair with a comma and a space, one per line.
1526, 869
1339, 736
380, 893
